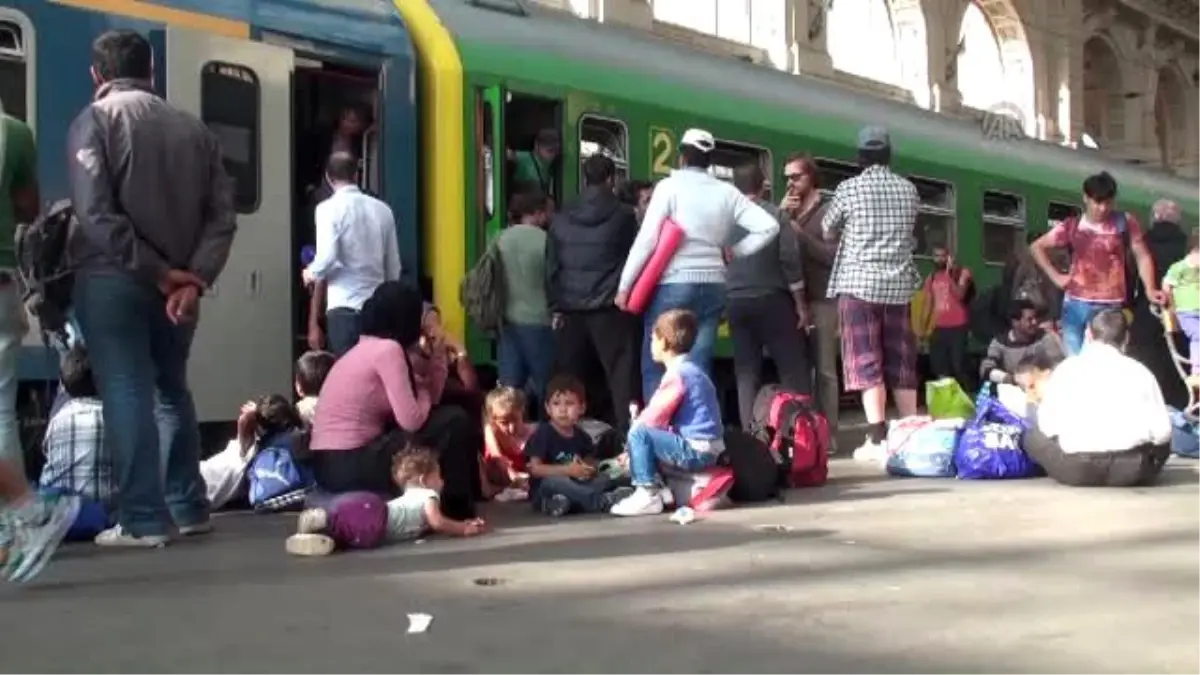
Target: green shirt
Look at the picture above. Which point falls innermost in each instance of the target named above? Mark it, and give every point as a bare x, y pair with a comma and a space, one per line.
523, 250
531, 170
19, 173
1184, 280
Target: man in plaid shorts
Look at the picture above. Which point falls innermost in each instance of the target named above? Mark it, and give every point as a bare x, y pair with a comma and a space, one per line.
874, 279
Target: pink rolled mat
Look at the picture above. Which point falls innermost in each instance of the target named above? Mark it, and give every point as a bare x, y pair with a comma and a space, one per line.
670, 236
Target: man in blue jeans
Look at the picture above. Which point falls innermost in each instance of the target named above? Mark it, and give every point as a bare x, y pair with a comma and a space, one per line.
708, 211
149, 243
1104, 243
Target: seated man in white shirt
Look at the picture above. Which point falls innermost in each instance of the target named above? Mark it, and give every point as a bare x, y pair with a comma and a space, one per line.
1102, 420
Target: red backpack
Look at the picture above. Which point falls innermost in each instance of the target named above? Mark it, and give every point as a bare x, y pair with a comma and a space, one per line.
796, 433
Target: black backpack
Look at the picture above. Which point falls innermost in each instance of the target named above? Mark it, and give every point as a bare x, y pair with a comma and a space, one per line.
44, 266
755, 471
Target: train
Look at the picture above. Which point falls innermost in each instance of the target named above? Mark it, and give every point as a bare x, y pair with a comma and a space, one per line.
451, 86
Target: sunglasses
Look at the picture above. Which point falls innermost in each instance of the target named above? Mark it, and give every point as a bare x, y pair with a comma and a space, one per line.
794, 177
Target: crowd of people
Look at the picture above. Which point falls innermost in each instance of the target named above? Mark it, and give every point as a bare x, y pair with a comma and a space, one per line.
392, 434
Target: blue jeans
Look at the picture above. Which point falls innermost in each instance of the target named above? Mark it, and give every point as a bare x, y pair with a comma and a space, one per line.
648, 446
1076, 315
139, 360
12, 329
342, 329
586, 497
707, 302
525, 357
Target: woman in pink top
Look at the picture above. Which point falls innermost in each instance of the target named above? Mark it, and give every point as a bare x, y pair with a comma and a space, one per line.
383, 393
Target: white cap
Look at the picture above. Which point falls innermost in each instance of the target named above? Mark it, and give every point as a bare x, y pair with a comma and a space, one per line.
699, 139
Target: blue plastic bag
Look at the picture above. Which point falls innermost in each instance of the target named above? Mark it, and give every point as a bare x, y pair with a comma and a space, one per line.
990, 447
921, 447
1185, 440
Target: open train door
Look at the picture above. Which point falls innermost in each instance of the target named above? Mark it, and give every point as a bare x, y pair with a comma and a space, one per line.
242, 91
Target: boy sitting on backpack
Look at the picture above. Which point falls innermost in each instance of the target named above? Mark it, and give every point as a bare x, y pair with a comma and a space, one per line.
681, 425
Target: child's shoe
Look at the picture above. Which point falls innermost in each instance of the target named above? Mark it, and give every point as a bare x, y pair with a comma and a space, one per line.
645, 501
307, 544
34, 532
312, 521
556, 506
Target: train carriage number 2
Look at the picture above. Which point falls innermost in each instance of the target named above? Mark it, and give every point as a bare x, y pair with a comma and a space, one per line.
662, 146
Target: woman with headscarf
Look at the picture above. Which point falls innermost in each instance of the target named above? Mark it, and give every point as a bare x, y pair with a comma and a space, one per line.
383, 393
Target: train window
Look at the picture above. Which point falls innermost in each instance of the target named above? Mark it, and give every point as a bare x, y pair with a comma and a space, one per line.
230, 101
935, 216
605, 136
833, 172
1003, 225
1058, 212
14, 76
727, 156
486, 178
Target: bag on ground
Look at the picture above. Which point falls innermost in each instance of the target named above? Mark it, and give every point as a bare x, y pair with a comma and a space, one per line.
796, 432
922, 447
44, 265
990, 446
482, 291
1185, 440
946, 400
277, 481
755, 469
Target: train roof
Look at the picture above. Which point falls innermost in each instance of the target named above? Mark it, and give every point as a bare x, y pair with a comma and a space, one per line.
517, 25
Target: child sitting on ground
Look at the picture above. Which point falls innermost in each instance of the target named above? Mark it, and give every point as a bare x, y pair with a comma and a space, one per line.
1182, 285
681, 424
311, 370
409, 516
266, 423
561, 457
505, 433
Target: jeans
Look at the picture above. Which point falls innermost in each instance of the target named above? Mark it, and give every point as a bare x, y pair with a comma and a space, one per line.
768, 321
525, 356
139, 360
342, 328
1076, 315
1189, 323
948, 354
707, 302
12, 329
587, 497
648, 446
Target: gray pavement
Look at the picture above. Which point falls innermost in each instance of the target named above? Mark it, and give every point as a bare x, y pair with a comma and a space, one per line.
874, 575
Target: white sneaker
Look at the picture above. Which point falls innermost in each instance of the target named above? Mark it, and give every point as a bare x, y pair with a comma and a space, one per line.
643, 502
871, 452
196, 530
309, 544
118, 537
312, 521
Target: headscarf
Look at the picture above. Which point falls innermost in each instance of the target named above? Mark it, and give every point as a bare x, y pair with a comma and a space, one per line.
394, 312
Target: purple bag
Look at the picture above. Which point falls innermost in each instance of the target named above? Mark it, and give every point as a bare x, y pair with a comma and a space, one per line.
357, 520
990, 447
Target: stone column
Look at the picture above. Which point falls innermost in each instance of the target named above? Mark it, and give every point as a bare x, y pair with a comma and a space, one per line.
943, 21
806, 36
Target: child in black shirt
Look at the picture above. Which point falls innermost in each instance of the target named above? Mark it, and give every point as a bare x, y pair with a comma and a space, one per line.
561, 457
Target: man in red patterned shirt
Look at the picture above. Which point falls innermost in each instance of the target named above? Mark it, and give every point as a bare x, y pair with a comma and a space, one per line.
1105, 246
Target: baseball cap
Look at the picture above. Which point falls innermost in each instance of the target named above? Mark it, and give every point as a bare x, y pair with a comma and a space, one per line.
873, 138
699, 139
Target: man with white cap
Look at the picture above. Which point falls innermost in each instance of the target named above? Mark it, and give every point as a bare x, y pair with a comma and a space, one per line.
707, 210
874, 279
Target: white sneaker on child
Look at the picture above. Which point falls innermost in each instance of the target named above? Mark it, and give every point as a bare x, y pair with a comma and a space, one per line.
871, 452
309, 544
645, 501
312, 521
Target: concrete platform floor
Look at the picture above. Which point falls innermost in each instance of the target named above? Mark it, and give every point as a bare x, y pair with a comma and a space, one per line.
870, 574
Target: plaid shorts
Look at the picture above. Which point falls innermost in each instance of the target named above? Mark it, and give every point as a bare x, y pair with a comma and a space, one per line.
878, 345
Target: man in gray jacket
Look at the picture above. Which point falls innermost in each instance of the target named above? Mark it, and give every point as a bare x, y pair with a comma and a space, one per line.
156, 224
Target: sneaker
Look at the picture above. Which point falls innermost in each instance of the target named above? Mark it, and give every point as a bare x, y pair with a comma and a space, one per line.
118, 537
35, 538
871, 452
312, 521
196, 530
666, 495
556, 506
309, 544
609, 499
643, 502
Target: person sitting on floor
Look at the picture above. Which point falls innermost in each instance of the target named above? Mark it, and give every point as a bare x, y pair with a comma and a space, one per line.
562, 458
505, 433
76, 461
681, 425
311, 370
410, 516
1024, 336
385, 392
268, 422
1102, 420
